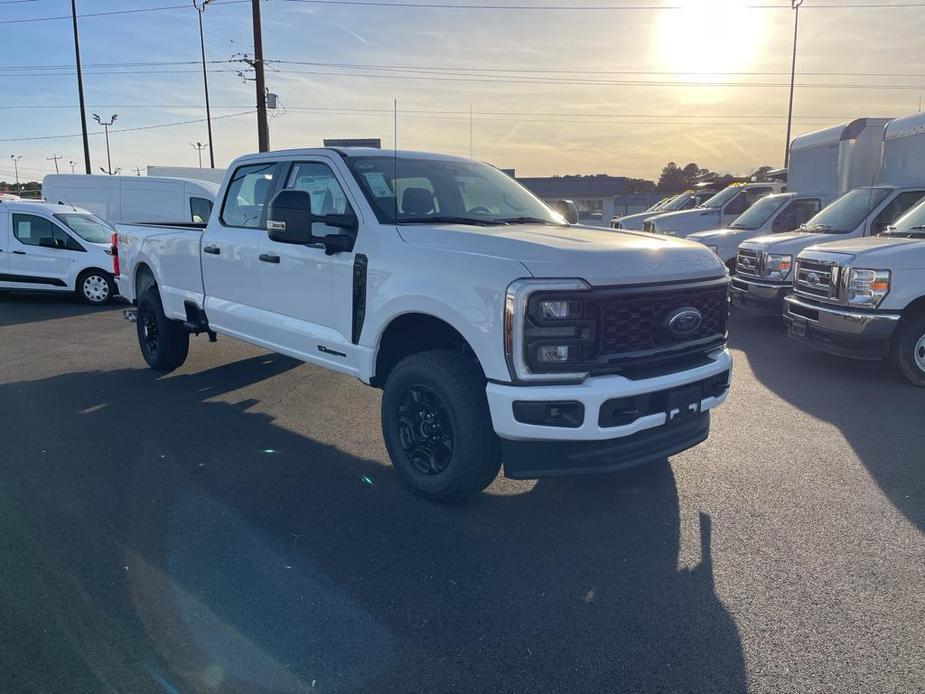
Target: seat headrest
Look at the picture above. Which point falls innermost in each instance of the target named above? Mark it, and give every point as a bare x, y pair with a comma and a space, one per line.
417, 201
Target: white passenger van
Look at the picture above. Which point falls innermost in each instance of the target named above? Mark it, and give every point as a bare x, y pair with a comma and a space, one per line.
132, 199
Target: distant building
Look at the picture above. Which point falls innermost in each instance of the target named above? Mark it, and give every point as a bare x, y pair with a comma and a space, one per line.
598, 198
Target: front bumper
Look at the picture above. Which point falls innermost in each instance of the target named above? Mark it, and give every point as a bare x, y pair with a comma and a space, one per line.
761, 298
608, 434
845, 332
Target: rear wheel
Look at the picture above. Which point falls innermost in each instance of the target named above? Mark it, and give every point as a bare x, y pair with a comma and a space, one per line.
95, 287
437, 427
164, 343
909, 349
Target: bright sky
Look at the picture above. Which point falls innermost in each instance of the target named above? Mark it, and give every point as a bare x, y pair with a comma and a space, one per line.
553, 91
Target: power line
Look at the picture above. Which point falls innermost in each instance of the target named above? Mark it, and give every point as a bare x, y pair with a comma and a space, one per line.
110, 13
125, 130
584, 8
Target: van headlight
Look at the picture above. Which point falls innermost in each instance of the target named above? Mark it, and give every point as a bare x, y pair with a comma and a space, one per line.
778, 266
549, 331
867, 288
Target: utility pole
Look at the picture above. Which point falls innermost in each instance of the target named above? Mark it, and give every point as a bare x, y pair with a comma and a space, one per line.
106, 125
55, 158
138, 170
15, 160
199, 147
263, 129
795, 5
200, 8
73, 164
80, 89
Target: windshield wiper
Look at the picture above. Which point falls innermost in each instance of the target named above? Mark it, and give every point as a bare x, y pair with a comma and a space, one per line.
526, 220
447, 220
740, 226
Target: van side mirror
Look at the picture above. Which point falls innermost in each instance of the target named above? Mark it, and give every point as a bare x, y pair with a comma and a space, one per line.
289, 217
567, 209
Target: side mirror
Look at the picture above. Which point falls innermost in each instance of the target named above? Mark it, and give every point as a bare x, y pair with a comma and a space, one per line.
567, 209
337, 243
289, 217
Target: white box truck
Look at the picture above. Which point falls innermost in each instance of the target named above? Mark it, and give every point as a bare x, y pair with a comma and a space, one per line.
865, 297
764, 265
133, 198
823, 164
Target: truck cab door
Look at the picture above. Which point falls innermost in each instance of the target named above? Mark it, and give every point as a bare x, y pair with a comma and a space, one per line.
306, 293
40, 253
229, 252
894, 209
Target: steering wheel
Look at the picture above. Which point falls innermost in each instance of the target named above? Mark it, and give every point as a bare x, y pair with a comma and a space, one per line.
479, 210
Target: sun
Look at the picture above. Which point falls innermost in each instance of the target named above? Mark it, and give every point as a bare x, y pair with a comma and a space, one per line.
709, 36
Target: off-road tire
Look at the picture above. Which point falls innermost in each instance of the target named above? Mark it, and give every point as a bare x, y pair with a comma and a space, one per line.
164, 342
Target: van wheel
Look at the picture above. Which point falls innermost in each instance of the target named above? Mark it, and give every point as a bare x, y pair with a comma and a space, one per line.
95, 287
437, 427
164, 343
909, 349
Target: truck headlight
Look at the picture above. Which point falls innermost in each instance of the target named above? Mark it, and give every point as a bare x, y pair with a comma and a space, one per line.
867, 288
549, 333
778, 266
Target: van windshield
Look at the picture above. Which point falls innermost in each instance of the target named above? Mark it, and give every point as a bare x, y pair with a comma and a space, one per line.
845, 214
89, 227
721, 198
759, 213
679, 203
421, 191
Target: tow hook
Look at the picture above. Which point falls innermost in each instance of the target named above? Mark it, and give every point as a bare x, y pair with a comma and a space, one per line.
130, 314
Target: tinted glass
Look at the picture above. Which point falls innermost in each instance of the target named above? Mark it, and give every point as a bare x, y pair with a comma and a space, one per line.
844, 215
29, 230
200, 210
247, 195
759, 213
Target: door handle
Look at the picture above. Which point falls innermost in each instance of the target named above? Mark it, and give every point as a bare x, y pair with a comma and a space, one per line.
267, 258
19, 252
212, 250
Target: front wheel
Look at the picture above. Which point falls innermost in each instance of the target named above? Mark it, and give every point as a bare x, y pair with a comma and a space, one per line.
909, 350
437, 427
164, 343
95, 287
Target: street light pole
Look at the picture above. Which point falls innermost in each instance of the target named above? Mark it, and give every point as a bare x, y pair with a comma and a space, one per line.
73, 164
80, 89
795, 5
200, 8
16, 159
106, 129
199, 147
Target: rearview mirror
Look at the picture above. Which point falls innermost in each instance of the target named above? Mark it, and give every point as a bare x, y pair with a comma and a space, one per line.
289, 217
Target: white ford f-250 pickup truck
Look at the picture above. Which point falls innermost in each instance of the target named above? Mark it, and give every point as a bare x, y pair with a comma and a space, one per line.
497, 331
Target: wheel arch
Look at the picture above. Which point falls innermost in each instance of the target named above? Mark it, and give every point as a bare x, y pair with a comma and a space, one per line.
143, 278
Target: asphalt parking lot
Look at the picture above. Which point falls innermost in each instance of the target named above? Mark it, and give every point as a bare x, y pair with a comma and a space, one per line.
235, 527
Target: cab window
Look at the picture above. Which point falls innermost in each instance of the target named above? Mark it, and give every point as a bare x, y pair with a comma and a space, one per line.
200, 210
327, 195
247, 195
901, 204
31, 230
796, 214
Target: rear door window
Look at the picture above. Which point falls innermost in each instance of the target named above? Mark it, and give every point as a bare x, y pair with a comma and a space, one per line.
247, 196
200, 210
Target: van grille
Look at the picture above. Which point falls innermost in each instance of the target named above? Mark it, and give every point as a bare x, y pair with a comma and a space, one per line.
817, 279
747, 263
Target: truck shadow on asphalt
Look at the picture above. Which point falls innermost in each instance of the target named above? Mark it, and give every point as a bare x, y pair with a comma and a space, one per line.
156, 539
17, 308
879, 414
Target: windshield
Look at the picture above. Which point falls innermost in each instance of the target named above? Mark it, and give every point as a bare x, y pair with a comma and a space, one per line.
759, 213
678, 203
722, 197
910, 224
87, 226
436, 190
844, 215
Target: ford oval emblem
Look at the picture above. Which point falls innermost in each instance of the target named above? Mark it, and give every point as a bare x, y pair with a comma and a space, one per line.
683, 322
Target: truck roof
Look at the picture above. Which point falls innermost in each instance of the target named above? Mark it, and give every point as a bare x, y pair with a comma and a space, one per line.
348, 152
32, 206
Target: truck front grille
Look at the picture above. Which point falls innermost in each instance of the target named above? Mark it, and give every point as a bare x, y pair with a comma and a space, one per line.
634, 324
817, 279
747, 263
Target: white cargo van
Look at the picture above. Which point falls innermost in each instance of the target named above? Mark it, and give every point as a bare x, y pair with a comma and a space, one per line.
133, 199
197, 174
763, 275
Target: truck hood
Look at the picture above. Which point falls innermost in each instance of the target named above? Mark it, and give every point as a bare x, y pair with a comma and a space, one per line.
879, 252
687, 221
595, 255
792, 242
723, 236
